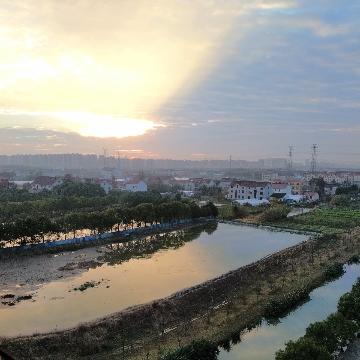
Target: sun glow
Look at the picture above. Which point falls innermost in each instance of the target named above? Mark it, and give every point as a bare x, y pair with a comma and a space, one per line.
73, 60
88, 124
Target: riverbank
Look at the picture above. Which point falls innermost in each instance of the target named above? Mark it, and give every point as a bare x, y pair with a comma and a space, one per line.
216, 310
23, 275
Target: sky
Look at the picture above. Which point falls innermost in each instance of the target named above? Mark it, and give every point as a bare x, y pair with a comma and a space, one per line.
199, 79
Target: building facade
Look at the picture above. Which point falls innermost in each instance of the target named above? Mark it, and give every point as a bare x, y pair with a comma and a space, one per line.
249, 190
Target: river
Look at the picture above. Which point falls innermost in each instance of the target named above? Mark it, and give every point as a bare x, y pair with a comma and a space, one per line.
262, 343
208, 252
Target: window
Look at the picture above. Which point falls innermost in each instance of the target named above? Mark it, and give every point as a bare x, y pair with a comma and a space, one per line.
248, 197
261, 193
261, 198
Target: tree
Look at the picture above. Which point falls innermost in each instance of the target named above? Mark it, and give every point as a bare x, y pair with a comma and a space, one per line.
340, 200
318, 185
332, 332
349, 304
303, 349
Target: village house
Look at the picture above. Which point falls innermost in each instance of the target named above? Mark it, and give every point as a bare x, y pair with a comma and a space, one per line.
44, 183
184, 183
297, 185
311, 196
330, 189
225, 183
280, 191
106, 184
136, 186
248, 190
4, 182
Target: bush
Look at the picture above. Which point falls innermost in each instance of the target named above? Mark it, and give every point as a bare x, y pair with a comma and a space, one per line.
334, 271
275, 213
281, 306
340, 200
197, 350
240, 211
355, 259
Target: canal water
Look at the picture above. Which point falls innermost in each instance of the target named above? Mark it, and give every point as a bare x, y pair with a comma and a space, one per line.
263, 342
208, 252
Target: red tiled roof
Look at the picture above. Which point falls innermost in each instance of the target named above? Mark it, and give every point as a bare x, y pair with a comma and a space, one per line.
279, 186
250, 183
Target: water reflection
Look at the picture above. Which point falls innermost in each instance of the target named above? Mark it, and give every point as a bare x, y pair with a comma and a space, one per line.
144, 247
262, 342
194, 257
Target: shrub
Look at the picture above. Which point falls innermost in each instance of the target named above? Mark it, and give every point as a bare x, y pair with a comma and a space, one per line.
334, 271
340, 200
355, 259
240, 211
197, 350
275, 213
281, 306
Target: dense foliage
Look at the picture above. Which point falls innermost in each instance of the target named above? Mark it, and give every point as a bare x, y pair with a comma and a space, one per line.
347, 190
199, 350
274, 213
35, 226
325, 337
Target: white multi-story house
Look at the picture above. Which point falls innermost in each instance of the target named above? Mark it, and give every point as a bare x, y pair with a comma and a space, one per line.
249, 190
136, 186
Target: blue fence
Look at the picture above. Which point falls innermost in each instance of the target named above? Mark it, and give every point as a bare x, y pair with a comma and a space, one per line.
103, 237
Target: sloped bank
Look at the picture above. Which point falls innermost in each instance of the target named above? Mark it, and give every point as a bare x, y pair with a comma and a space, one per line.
213, 310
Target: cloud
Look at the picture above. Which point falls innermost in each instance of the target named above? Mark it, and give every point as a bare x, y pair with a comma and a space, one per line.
121, 59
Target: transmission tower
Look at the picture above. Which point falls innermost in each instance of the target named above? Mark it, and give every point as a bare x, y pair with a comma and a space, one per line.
291, 153
314, 152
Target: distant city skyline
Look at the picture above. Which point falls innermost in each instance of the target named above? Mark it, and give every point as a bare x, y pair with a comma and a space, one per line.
91, 161
164, 80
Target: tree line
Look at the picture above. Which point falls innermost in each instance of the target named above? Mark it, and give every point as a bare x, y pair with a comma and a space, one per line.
36, 228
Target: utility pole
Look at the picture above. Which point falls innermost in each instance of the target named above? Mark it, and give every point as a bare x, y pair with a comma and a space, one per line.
105, 154
291, 153
314, 153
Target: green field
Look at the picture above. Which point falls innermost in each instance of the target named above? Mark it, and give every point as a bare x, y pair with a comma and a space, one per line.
324, 220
